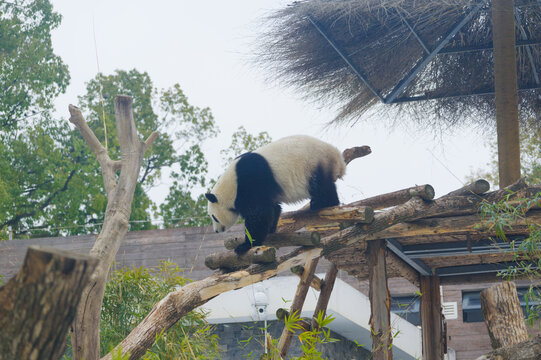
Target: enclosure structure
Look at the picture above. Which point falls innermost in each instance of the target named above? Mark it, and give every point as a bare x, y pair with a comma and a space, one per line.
429, 242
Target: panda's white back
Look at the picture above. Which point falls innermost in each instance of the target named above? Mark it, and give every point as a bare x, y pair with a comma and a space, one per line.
294, 159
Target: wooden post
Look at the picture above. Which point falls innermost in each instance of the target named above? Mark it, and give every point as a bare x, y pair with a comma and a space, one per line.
298, 302
380, 302
503, 315
505, 89
431, 318
325, 294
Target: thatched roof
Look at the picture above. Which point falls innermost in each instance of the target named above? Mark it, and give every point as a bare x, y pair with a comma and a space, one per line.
384, 41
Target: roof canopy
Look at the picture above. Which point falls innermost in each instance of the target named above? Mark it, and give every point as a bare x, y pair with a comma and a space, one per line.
361, 52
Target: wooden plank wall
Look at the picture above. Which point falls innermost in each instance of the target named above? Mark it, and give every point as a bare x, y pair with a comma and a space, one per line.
187, 247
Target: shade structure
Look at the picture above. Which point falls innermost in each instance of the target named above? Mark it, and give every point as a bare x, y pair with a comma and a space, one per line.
361, 53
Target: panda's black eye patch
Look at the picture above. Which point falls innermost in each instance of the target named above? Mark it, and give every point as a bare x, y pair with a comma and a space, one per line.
214, 217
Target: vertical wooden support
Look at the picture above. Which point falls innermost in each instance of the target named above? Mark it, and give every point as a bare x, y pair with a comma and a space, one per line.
431, 318
325, 294
505, 89
298, 302
380, 302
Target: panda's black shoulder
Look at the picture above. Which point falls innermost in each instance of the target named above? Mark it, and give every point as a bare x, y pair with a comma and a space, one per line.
256, 183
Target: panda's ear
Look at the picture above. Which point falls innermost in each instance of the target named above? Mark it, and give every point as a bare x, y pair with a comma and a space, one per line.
211, 197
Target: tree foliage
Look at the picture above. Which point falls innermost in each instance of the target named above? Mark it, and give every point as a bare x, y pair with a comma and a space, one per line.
530, 160
129, 297
31, 74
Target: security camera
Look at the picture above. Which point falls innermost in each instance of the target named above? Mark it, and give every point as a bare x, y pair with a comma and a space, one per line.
261, 309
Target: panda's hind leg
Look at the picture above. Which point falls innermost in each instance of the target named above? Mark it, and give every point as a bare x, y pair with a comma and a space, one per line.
277, 212
322, 190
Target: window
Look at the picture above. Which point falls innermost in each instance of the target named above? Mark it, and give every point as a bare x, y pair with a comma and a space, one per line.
407, 307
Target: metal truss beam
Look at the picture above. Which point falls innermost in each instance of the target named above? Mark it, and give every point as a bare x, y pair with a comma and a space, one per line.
345, 57
477, 92
477, 269
487, 46
418, 265
426, 59
405, 21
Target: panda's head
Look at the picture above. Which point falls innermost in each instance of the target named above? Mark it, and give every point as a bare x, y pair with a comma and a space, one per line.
223, 215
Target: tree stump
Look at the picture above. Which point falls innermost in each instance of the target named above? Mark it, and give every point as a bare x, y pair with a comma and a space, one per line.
38, 305
503, 315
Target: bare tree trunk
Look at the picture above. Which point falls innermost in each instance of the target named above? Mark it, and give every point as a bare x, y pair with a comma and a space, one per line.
85, 330
38, 305
503, 315
505, 87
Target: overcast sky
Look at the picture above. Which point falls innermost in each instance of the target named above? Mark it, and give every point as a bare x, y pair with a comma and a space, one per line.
206, 47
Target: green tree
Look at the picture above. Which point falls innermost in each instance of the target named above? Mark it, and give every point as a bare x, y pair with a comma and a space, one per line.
181, 208
31, 75
53, 185
242, 142
530, 160
129, 297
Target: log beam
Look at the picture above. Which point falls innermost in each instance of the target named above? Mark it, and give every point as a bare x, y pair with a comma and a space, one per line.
296, 305
453, 225
299, 238
380, 302
316, 282
38, 304
425, 192
231, 260
324, 295
333, 218
503, 315
431, 318
477, 187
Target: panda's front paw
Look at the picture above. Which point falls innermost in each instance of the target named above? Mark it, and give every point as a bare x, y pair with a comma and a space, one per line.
243, 248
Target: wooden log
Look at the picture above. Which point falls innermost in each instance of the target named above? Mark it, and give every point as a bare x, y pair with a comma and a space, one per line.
282, 314
431, 318
231, 260
333, 218
477, 187
324, 295
178, 303
425, 192
355, 152
300, 238
314, 284
526, 350
380, 302
296, 305
503, 315
454, 225
38, 305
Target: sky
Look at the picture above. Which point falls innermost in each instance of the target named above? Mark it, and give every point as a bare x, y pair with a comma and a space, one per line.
208, 48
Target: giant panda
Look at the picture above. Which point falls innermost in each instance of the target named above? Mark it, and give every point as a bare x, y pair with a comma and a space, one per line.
286, 171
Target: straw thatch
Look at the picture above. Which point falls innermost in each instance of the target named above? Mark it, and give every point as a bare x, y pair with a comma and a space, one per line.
376, 37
